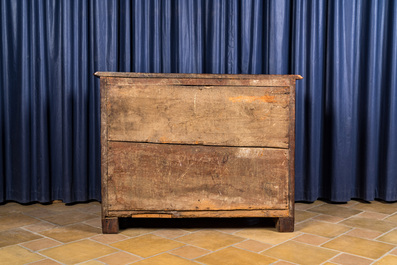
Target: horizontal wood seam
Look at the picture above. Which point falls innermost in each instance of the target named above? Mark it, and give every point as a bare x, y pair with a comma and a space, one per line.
188, 211
210, 145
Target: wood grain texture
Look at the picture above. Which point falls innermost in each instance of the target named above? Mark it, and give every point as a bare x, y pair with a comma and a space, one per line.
104, 145
291, 134
170, 177
200, 81
110, 225
285, 224
208, 115
197, 145
253, 79
201, 214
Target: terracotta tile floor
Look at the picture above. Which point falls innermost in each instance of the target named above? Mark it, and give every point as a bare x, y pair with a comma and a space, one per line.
352, 233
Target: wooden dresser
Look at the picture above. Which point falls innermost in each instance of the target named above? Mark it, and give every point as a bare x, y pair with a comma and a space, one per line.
197, 145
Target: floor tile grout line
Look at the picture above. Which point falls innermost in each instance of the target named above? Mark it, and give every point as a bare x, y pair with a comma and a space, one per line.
320, 246
275, 263
169, 237
342, 234
376, 239
328, 238
336, 205
352, 254
275, 245
297, 223
325, 221
110, 246
345, 233
92, 237
43, 237
291, 239
41, 218
245, 239
248, 239
26, 229
62, 225
372, 212
198, 262
344, 218
38, 253
63, 243
107, 245
96, 261
192, 259
312, 218
148, 257
167, 251
308, 220
119, 251
212, 251
55, 224
389, 216
200, 247
34, 240
386, 254
36, 218
357, 216
190, 245
330, 259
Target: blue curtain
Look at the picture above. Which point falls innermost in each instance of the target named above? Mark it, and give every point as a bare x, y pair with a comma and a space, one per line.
346, 112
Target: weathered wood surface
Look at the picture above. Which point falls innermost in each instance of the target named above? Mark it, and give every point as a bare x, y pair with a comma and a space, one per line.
213, 81
285, 224
200, 214
110, 225
197, 145
104, 147
267, 80
291, 171
182, 177
208, 115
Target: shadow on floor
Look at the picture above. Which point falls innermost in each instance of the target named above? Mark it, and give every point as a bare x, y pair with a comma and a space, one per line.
196, 222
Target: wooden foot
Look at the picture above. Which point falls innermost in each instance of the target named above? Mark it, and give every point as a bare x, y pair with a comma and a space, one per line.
285, 224
110, 225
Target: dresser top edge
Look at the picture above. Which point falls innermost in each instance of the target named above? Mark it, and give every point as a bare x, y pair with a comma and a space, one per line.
193, 76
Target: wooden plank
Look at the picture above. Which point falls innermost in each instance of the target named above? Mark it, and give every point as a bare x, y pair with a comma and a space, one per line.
225, 116
214, 81
291, 173
194, 76
104, 145
170, 177
201, 214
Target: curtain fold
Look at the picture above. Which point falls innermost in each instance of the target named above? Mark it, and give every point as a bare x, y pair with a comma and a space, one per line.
308, 50
346, 105
50, 100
